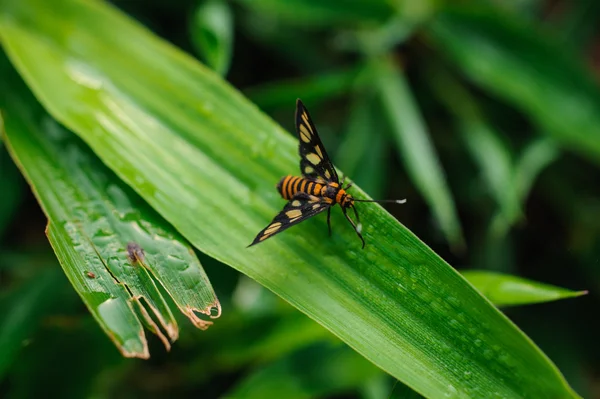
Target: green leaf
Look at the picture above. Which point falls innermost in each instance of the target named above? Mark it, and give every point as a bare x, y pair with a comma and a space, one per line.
508, 58
507, 290
324, 12
509, 182
491, 154
11, 186
402, 391
417, 151
535, 157
271, 341
211, 30
92, 218
84, 353
20, 312
363, 152
311, 90
206, 159
317, 371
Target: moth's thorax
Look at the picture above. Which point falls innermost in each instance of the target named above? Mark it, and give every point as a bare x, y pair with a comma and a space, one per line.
331, 190
336, 194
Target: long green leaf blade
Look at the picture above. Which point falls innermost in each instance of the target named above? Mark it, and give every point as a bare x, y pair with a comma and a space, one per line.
93, 218
317, 371
506, 290
417, 151
324, 12
207, 160
211, 30
12, 189
509, 59
19, 314
362, 153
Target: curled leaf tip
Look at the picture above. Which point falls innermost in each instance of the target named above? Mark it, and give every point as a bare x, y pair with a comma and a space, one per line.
190, 312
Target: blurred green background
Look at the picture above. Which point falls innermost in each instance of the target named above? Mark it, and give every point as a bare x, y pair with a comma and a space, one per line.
481, 115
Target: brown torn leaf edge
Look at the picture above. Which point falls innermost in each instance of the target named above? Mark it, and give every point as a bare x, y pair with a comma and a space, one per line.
151, 324
190, 312
172, 329
187, 310
142, 335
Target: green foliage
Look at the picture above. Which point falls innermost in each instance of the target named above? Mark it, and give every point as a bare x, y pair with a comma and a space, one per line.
313, 372
505, 290
211, 30
475, 113
501, 54
19, 310
93, 219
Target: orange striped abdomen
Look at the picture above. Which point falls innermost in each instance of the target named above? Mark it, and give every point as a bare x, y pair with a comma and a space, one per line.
290, 185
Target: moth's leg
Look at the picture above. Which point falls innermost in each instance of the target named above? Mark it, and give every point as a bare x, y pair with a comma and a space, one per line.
328, 220
357, 229
357, 218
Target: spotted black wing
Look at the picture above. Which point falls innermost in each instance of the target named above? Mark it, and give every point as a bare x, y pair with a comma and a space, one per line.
314, 161
299, 208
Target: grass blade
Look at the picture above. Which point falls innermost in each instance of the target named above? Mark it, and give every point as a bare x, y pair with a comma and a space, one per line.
12, 189
317, 371
311, 90
17, 311
417, 151
92, 217
324, 12
509, 59
536, 156
506, 290
362, 153
211, 30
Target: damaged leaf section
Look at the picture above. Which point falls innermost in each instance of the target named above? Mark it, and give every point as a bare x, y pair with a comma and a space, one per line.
113, 247
108, 302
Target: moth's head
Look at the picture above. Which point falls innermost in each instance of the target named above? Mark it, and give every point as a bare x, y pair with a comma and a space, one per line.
346, 201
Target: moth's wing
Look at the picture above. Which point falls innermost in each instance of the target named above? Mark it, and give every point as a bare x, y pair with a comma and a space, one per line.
299, 208
314, 161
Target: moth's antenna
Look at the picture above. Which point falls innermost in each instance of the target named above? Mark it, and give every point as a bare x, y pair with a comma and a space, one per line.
402, 201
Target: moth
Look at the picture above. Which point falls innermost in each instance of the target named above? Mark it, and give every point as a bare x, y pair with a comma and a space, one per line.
317, 190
